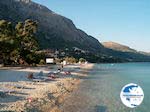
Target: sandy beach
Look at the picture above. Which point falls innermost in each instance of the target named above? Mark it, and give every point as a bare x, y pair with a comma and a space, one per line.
24, 95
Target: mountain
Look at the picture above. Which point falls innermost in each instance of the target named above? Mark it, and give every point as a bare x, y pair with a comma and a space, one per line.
118, 47
55, 31
58, 32
125, 53
144, 53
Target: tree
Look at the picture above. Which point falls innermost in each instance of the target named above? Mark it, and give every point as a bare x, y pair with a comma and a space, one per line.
27, 41
70, 60
18, 42
25, 34
7, 40
82, 60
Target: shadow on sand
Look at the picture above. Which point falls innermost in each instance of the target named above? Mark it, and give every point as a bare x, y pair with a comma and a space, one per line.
10, 98
101, 108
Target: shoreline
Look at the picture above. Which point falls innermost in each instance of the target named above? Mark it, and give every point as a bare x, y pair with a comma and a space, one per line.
75, 84
43, 96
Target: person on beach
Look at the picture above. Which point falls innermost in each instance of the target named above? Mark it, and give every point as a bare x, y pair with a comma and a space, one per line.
62, 66
30, 76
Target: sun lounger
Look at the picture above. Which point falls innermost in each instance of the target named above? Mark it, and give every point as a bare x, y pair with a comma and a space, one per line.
19, 86
7, 91
33, 78
67, 73
40, 74
43, 78
39, 77
38, 80
16, 86
54, 72
48, 78
30, 76
52, 76
4, 92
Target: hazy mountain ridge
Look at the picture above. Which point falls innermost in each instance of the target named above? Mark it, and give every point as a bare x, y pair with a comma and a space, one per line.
144, 53
123, 48
124, 52
118, 47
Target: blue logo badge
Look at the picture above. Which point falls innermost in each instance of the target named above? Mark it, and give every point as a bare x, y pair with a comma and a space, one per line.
132, 95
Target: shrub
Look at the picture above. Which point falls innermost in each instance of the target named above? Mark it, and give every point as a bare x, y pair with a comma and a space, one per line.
70, 60
42, 62
82, 60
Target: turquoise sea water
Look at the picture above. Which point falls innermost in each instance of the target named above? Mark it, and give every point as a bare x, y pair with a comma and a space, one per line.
100, 91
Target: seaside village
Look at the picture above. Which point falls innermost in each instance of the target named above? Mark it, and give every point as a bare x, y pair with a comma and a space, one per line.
25, 88
56, 57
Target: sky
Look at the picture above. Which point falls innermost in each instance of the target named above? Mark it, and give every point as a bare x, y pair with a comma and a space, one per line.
124, 21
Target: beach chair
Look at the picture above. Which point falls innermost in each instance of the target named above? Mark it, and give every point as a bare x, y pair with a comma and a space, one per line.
4, 92
30, 76
40, 74
45, 78
16, 86
53, 74
38, 80
39, 77
19, 86
67, 73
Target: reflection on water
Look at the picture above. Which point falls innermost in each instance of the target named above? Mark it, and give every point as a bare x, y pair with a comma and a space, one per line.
100, 91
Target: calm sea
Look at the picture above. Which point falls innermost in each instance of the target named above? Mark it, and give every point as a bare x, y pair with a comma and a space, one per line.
100, 91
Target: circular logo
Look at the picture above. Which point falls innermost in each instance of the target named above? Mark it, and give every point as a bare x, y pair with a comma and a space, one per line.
132, 95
